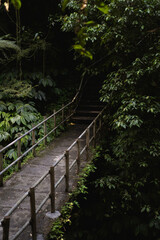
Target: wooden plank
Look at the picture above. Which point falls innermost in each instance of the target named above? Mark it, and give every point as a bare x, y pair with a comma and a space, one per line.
87, 143
1, 167
88, 111
19, 151
91, 106
33, 142
78, 156
94, 133
45, 130
82, 118
52, 187
54, 119
67, 170
33, 213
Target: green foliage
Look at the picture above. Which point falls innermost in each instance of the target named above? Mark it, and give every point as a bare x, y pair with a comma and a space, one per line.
124, 42
83, 51
8, 49
16, 3
16, 118
41, 85
58, 228
34, 72
16, 89
64, 4
130, 88
103, 7
34, 86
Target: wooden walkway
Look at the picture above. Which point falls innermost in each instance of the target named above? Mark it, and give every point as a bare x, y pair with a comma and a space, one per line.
40, 188
21, 181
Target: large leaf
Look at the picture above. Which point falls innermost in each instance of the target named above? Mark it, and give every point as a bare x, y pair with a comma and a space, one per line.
103, 7
83, 51
12, 154
89, 23
10, 106
87, 54
3, 106
78, 47
47, 81
16, 119
23, 120
4, 136
16, 3
64, 4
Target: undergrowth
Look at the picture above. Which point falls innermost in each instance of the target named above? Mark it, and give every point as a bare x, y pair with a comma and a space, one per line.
60, 225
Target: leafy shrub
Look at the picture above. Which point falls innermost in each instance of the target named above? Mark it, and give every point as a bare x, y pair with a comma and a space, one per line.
16, 118
64, 221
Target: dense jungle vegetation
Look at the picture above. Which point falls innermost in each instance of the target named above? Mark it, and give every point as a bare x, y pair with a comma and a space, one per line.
117, 41
118, 196
37, 71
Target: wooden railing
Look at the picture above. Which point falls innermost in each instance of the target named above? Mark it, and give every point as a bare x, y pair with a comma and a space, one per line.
88, 136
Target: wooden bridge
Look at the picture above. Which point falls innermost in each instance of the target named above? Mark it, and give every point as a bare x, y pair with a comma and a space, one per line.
42, 183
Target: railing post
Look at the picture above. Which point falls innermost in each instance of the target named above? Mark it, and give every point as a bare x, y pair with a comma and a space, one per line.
54, 119
94, 133
78, 156
33, 213
67, 170
87, 143
1, 167
19, 151
45, 130
33, 142
63, 114
52, 194
69, 112
100, 122
5, 225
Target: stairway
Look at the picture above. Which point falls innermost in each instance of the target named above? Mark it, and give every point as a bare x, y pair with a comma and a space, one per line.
89, 106
86, 112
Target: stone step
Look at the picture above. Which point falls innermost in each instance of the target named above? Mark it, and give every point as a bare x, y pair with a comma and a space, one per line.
87, 112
